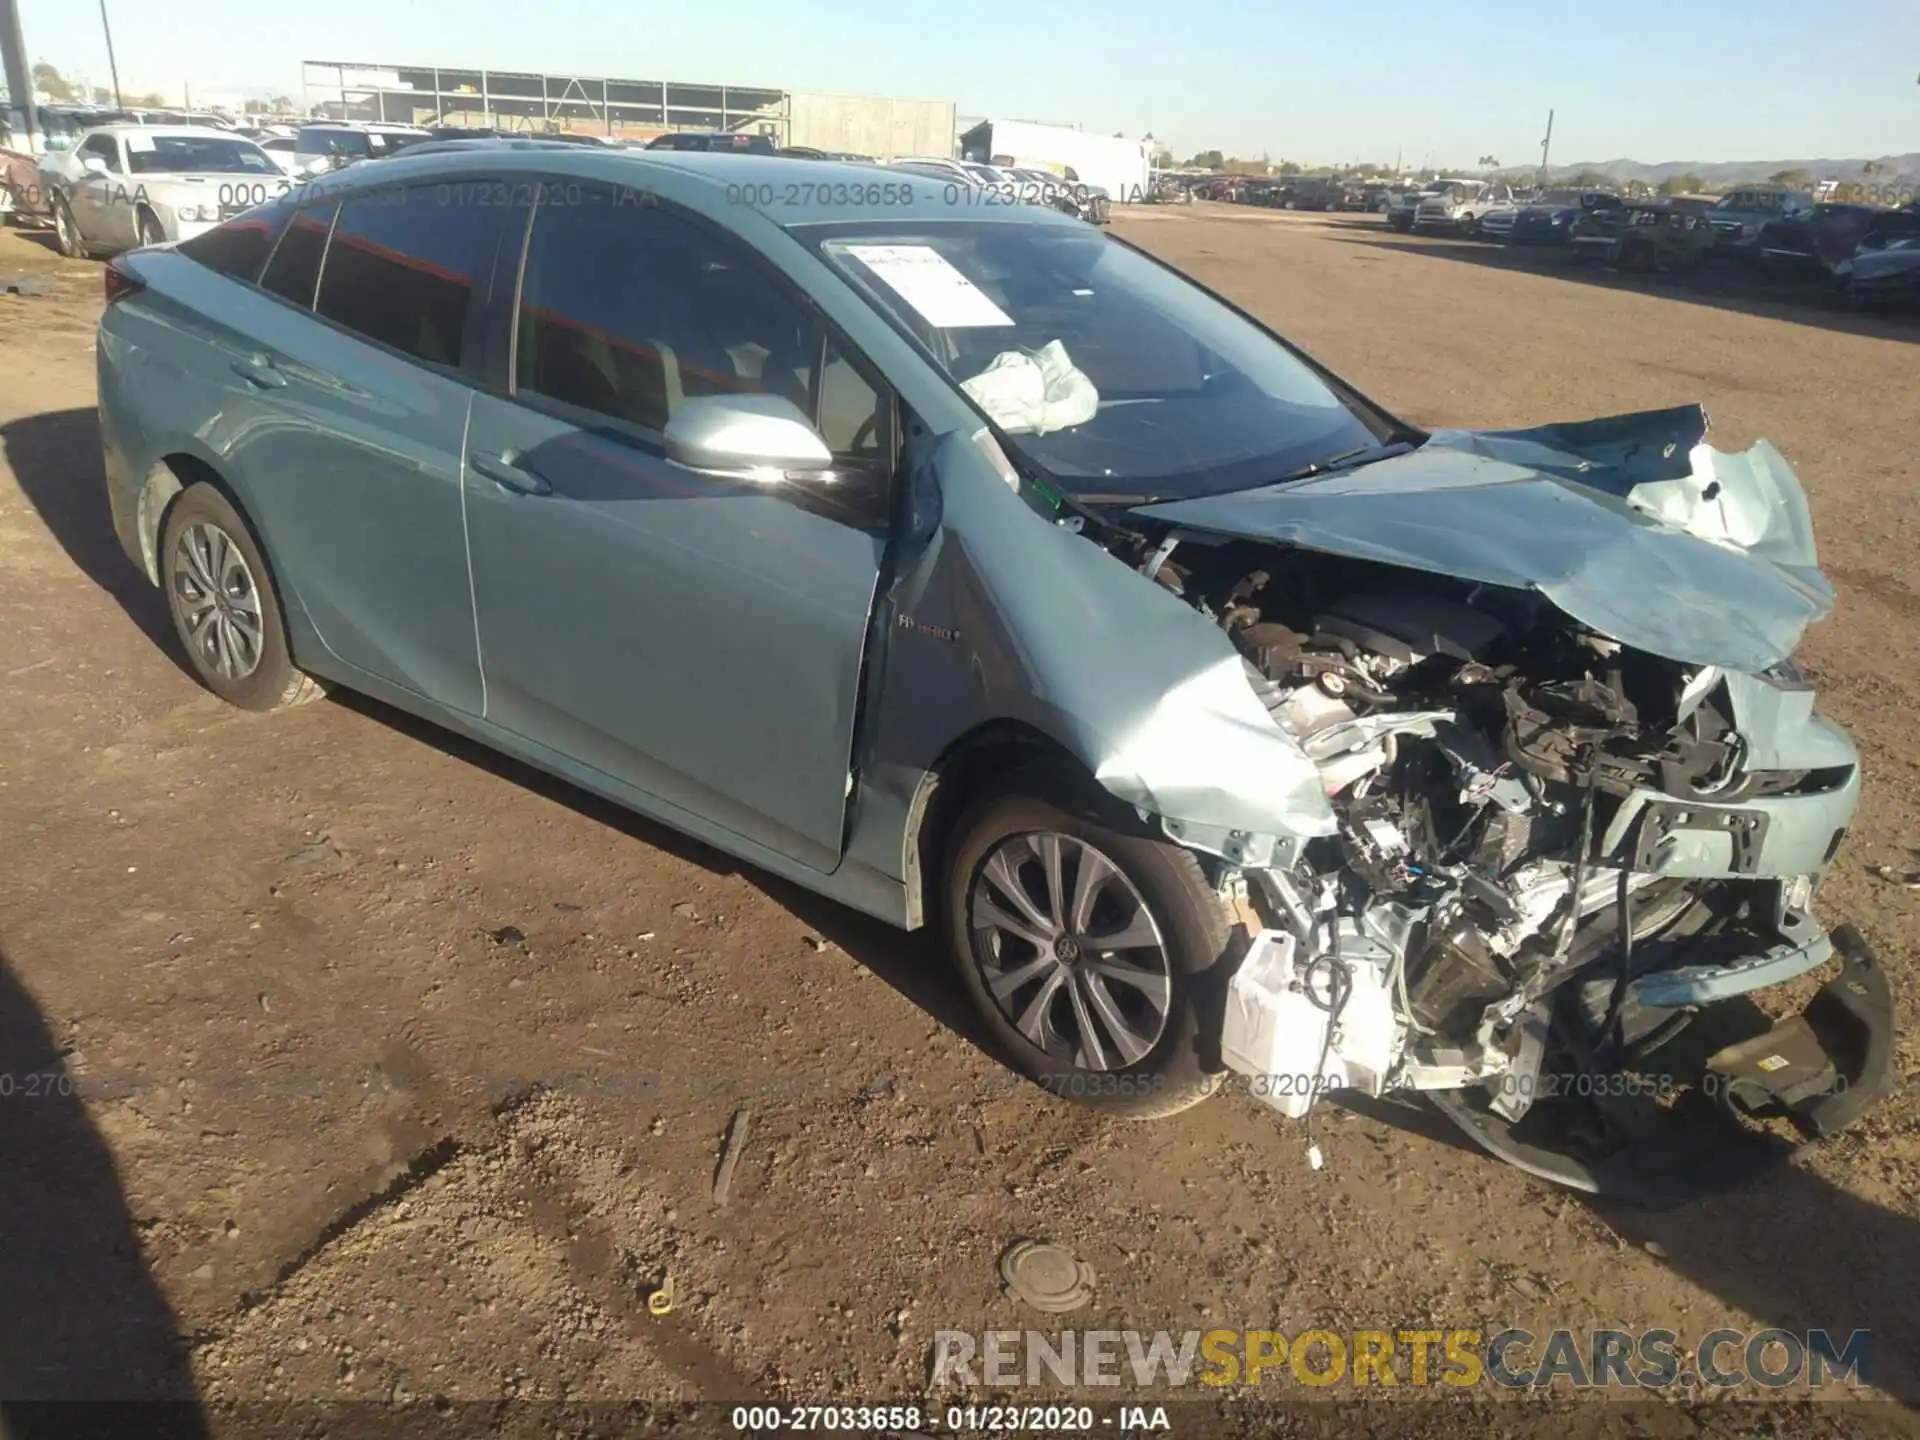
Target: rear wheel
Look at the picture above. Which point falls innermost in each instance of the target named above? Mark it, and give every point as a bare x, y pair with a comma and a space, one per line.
223, 604
1090, 948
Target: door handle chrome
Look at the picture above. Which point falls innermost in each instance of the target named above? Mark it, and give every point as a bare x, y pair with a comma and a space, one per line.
259, 370
515, 475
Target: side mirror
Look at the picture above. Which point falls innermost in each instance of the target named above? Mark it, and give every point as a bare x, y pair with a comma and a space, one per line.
745, 437
93, 165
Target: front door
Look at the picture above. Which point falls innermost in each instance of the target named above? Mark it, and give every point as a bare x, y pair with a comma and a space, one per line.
700, 640
103, 201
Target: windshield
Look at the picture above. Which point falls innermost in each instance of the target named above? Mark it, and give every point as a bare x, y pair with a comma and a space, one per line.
1107, 371
196, 155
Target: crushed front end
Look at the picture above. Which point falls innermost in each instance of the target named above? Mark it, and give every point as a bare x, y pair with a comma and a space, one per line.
1569, 890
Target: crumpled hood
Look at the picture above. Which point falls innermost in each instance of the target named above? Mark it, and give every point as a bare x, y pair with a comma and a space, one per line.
1632, 525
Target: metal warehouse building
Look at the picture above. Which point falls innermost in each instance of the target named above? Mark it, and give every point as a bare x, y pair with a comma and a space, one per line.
630, 109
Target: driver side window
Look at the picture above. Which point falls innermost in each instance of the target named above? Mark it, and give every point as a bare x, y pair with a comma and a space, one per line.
629, 310
102, 147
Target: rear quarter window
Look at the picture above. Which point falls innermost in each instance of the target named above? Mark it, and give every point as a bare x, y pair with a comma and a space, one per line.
241, 246
295, 267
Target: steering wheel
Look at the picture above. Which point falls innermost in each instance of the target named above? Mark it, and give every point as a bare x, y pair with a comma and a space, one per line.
869, 429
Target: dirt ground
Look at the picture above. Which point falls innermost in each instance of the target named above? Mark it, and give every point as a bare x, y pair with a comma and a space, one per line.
400, 1071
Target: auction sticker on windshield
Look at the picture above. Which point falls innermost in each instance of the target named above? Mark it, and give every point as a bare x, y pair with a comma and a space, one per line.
139, 144
923, 277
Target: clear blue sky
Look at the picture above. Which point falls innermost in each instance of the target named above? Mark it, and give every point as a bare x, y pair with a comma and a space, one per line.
1333, 80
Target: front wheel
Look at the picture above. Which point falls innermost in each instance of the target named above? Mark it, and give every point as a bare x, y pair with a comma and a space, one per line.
223, 603
1090, 948
66, 232
147, 231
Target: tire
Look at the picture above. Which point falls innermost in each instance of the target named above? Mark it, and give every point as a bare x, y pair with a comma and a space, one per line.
1003, 838
237, 644
147, 231
66, 232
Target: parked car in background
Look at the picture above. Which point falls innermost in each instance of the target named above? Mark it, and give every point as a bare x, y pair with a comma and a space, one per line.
1460, 205
56, 127
993, 176
952, 171
1549, 218
1882, 275
127, 185
1809, 244
1403, 205
1323, 193
1643, 235
1269, 194
730, 142
1498, 224
808, 152
989, 575
1737, 216
334, 145
283, 150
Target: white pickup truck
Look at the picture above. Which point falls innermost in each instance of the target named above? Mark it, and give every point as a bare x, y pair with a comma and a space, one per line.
1461, 205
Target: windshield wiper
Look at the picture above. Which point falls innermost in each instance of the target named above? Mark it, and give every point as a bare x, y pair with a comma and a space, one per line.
1347, 460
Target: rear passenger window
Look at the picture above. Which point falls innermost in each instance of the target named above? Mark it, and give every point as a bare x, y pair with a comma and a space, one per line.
400, 269
295, 265
240, 247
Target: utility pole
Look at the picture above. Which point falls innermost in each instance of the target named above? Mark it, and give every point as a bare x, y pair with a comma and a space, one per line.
19, 74
113, 66
1545, 146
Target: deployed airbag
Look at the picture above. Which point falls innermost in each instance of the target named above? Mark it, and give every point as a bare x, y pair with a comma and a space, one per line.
1034, 394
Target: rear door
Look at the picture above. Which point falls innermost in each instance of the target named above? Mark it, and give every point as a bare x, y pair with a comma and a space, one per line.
700, 640
352, 467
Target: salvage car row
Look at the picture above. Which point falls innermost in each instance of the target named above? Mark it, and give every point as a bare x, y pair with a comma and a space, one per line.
1866, 254
123, 184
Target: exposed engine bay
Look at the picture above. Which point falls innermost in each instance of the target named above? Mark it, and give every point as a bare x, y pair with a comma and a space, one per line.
1552, 877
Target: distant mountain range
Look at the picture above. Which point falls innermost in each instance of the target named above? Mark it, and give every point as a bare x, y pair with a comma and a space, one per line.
1890, 169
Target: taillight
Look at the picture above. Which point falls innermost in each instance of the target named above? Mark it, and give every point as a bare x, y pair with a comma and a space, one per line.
121, 282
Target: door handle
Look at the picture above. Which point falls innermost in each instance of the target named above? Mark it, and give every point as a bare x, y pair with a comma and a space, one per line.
259, 370
515, 475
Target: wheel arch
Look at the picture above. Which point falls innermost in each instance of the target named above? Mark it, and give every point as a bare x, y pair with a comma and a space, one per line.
167, 479
978, 758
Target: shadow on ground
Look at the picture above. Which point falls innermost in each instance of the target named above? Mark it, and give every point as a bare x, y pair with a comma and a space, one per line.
1785, 1246
81, 1318
56, 459
909, 962
1722, 284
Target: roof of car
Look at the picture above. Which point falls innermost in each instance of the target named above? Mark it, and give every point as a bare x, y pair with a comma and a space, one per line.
363, 126
802, 191
193, 132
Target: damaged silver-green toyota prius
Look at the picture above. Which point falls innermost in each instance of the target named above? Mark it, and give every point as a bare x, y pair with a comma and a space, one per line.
975, 569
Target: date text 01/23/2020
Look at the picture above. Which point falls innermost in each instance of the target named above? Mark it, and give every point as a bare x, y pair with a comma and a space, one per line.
955, 1419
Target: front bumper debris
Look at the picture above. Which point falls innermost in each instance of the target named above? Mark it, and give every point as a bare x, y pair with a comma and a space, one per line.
1827, 1066
1822, 1070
